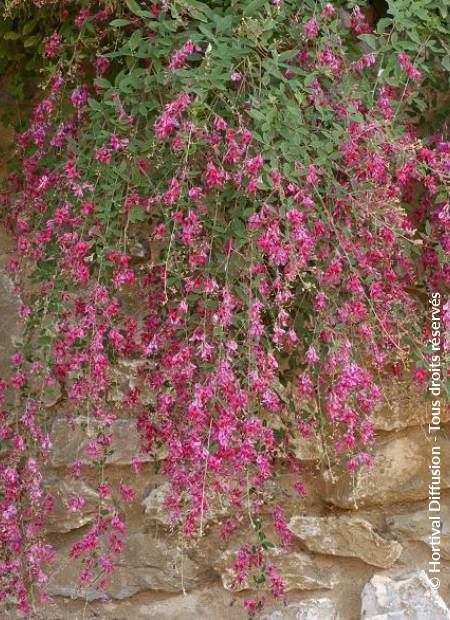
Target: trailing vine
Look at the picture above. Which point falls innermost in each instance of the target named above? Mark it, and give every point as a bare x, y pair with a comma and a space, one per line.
251, 173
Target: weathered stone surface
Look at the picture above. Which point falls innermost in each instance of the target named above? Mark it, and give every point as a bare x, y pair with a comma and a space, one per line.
125, 377
155, 511
207, 603
403, 406
146, 562
69, 443
63, 520
311, 609
51, 393
417, 526
210, 602
299, 571
409, 597
307, 448
345, 536
7, 135
399, 473
9, 304
153, 504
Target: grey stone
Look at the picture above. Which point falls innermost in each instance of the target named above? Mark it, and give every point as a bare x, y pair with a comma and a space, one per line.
310, 609
417, 526
50, 394
404, 406
146, 563
406, 597
155, 510
63, 520
346, 536
10, 325
69, 443
400, 472
126, 376
307, 448
298, 570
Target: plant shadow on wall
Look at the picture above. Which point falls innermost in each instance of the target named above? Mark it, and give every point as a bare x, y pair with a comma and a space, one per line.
245, 172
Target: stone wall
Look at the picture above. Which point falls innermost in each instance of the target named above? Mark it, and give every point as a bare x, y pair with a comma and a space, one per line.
360, 541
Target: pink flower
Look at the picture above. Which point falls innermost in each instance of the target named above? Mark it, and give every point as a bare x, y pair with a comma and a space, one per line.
117, 524
250, 605
52, 44
311, 28
179, 57
75, 503
300, 488
136, 463
17, 359
76, 469
311, 356
106, 562
103, 490
117, 143
127, 492
103, 155
328, 9
420, 374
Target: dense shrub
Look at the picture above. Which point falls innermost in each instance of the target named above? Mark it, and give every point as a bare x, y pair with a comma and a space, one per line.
251, 172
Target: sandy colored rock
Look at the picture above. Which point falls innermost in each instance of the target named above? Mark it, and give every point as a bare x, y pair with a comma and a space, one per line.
146, 563
50, 393
153, 504
307, 448
69, 443
63, 520
399, 473
403, 406
9, 304
299, 571
311, 609
408, 597
154, 508
345, 536
125, 376
211, 602
416, 526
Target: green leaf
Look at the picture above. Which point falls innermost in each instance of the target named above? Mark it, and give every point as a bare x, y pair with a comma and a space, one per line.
28, 26
44, 340
309, 79
384, 24
32, 41
198, 10
136, 214
253, 7
134, 7
102, 82
239, 228
135, 39
223, 24
287, 55
370, 39
117, 23
11, 36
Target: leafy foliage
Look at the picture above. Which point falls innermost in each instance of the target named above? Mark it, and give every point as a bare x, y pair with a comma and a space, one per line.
22, 32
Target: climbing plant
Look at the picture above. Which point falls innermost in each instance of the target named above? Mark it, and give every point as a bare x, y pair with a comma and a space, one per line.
250, 174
